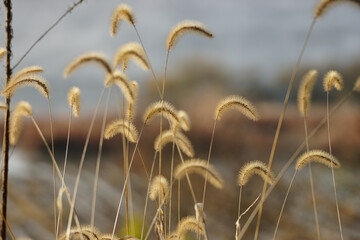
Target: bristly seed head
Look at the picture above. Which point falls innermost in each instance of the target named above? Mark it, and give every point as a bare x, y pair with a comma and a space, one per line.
317, 156
332, 80
305, 91
324, 4
238, 103
74, 99
159, 187
131, 51
255, 167
22, 109
122, 12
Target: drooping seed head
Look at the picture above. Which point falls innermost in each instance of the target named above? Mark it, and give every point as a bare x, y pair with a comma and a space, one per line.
168, 137
131, 51
87, 232
323, 5
90, 57
161, 107
305, 91
38, 82
109, 237
159, 187
123, 12
131, 107
74, 100
189, 224
201, 167
184, 119
121, 80
121, 126
22, 109
238, 103
318, 156
254, 167
332, 80
27, 70
185, 27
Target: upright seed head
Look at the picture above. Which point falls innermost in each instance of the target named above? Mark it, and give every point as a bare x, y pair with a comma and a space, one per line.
305, 91
74, 99
22, 109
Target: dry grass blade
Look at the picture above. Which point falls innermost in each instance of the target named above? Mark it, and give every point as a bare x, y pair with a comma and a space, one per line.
86, 233
74, 100
131, 107
317, 156
305, 91
184, 119
325, 4
91, 57
131, 51
22, 109
185, 27
27, 70
333, 79
168, 137
255, 167
201, 167
159, 187
38, 82
121, 13
189, 224
121, 80
121, 126
238, 103
161, 107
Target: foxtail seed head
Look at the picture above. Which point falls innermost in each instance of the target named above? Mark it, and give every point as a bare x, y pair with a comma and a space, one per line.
318, 156
74, 98
120, 79
161, 107
131, 51
182, 141
189, 224
332, 80
122, 13
159, 187
185, 27
184, 119
325, 4
238, 103
22, 109
254, 167
305, 91
121, 126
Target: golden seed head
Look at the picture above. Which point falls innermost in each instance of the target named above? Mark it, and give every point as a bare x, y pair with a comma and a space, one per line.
332, 80
189, 224
121, 80
201, 167
131, 107
323, 5
184, 119
90, 57
122, 12
318, 156
238, 103
131, 51
185, 27
22, 109
305, 91
168, 137
27, 70
87, 232
162, 107
121, 126
159, 187
357, 85
2, 52
255, 167
74, 99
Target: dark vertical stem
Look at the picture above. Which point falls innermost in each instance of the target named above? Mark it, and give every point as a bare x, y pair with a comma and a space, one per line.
9, 36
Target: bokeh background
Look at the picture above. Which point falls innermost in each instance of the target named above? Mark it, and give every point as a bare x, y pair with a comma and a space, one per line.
253, 52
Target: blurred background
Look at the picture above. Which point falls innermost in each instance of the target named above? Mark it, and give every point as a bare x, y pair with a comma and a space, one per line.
254, 49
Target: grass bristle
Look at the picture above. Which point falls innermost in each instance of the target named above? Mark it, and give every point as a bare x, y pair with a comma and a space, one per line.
131, 51
74, 100
238, 103
201, 167
185, 27
318, 156
121, 126
305, 91
254, 167
90, 57
159, 187
122, 13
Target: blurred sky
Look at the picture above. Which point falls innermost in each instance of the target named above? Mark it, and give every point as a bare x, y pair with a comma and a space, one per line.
262, 35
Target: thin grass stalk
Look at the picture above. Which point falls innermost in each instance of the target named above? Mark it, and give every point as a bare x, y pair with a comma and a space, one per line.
147, 196
332, 167
289, 162
9, 36
98, 160
54, 179
240, 192
208, 161
58, 172
283, 205
126, 180
64, 169
8, 227
312, 184
81, 165
179, 199
272, 154
171, 181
